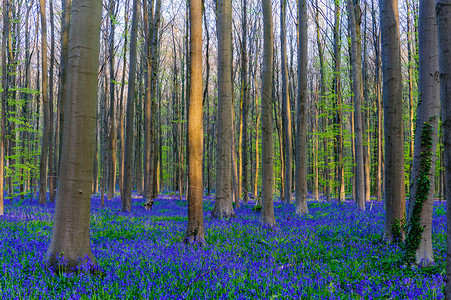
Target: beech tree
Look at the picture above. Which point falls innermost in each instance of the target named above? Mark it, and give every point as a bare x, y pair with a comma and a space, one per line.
3, 99
394, 190
267, 213
126, 194
418, 244
223, 201
45, 108
195, 231
357, 84
301, 132
286, 111
70, 232
443, 14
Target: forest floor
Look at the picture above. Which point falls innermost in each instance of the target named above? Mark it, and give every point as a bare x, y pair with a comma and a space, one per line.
335, 252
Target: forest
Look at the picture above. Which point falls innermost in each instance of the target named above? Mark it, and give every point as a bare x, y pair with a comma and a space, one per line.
225, 149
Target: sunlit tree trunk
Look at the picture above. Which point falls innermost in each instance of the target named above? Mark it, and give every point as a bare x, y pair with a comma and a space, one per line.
394, 191
301, 132
223, 202
195, 231
70, 233
126, 196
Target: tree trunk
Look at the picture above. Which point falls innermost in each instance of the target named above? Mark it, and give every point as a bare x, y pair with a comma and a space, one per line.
52, 146
223, 202
244, 151
4, 100
45, 109
339, 113
112, 128
195, 231
70, 233
148, 143
357, 83
121, 108
418, 243
267, 213
126, 197
286, 111
65, 28
377, 62
410, 66
257, 143
394, 190
443, 13
301, 132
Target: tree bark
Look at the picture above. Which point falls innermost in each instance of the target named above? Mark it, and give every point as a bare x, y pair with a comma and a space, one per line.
126, 196
267, 213
357, 84
377, 63
223, 201
65, 28
418, 244
70, 233
195, 231
339, 113
286, 111
301, 132
394, 191
244, 151
4, 100
45, 109
52, 146
443, 14
112, 127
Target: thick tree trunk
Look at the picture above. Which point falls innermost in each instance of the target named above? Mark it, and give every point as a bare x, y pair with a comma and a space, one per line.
443, 13
126, 197
195, 231
357, 84
418, 243
301, 131
394, 191
267, 213
223, 202
70, 233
